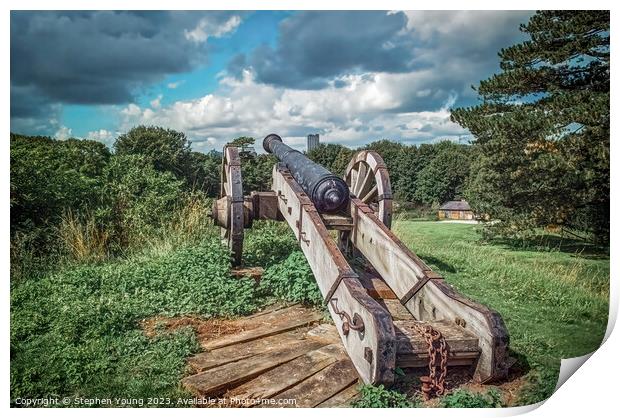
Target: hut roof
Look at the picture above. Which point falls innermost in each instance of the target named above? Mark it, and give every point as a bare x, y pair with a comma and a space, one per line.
455, 205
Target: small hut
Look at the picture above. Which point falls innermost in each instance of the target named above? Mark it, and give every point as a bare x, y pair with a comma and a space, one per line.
456, 209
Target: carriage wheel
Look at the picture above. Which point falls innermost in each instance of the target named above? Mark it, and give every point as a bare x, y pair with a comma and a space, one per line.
368, 180
230, 203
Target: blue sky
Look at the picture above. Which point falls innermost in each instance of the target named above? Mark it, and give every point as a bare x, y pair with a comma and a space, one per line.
353, 77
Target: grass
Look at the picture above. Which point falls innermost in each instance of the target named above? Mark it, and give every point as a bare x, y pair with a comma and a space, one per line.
554, 300
75, 329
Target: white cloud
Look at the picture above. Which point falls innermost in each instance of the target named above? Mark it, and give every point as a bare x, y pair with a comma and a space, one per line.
102, 135
156, 102
207, 28
63, 133
175, 84
366, 109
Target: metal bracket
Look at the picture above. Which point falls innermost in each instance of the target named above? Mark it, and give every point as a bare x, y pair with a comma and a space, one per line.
355, 324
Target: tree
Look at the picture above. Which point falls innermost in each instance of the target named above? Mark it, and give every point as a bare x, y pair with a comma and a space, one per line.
167, 149
443, 177
542, 128
328, 155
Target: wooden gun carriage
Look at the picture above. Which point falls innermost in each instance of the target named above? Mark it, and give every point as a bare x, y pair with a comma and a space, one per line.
394, 311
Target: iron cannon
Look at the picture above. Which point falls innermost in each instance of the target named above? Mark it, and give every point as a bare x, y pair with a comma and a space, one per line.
328, 192
392, 310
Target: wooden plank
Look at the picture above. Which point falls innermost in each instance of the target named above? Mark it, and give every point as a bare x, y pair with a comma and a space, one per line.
337, 222
217, 380
324, 332
270, 309
342, 399
218, 357
397, 310
375, 286
288, 374
409, 341
321, 386
275, 323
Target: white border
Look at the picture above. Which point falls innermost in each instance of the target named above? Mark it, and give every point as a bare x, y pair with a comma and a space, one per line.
591, 392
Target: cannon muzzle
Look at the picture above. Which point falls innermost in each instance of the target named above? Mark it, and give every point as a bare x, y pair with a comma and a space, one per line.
328, 192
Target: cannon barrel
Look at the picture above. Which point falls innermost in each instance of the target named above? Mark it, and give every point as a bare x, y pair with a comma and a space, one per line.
328, 192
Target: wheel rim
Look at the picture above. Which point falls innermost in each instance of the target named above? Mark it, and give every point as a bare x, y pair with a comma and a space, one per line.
231, 187
368, 180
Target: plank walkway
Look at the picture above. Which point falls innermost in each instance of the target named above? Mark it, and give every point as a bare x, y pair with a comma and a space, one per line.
287, 354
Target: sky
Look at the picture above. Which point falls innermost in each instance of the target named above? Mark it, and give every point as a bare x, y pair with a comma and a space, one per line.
353, 77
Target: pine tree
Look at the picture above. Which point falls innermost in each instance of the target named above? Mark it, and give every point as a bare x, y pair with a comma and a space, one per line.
542, 128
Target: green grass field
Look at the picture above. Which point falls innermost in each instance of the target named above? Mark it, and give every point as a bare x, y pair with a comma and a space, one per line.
553, 297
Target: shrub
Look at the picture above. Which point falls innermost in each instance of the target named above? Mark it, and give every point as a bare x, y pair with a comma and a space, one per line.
380, 397
292, 280
462, 398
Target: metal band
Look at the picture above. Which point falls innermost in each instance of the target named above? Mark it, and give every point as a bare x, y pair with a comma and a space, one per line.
384, 196
335, 285
428, 275
415, 289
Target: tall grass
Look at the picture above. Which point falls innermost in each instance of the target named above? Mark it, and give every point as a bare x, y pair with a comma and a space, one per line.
82, 238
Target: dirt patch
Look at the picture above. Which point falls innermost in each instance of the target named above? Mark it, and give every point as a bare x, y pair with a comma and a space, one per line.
205, 329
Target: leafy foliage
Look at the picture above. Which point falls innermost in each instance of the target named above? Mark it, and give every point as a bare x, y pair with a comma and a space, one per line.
542, 129
380, 397
443, 176
292, 280
462, 398
75, 332
48, 176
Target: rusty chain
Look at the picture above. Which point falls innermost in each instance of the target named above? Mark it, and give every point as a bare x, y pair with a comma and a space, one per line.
434, 383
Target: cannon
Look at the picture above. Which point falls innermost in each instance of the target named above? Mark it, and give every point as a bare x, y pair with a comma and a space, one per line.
390, 308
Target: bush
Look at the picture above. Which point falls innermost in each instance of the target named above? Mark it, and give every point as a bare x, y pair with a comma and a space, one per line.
461, 398
139, 199
292, 280
379, 397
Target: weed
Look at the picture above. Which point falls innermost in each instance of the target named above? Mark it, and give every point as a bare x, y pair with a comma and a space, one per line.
462, 398
292, 280
380, 397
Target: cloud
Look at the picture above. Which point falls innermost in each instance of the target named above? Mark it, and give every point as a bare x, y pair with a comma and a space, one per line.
103, 135
364, 110
63, 133
442, 52
207, 28
316, 46
156, 102
98, 57
175, 84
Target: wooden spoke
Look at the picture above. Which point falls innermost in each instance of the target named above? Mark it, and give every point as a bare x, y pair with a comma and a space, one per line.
370, 195
368, 179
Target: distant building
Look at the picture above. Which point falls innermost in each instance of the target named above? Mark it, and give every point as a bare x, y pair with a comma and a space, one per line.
456, 209
313, 141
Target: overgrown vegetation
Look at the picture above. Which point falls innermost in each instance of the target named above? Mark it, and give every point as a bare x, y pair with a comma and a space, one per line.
462, 398
292, 280
380, 397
